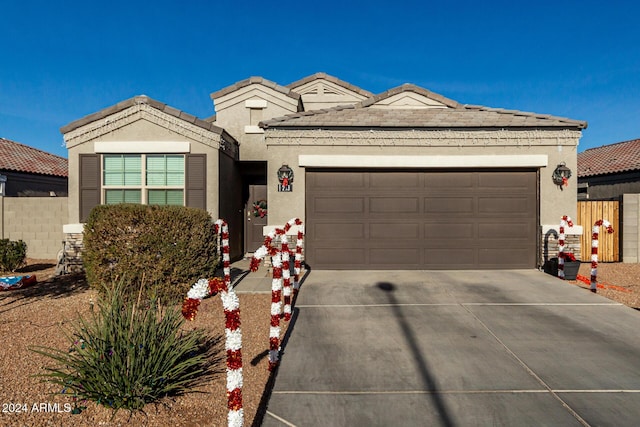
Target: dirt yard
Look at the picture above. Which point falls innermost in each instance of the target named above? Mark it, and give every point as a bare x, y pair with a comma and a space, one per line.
39, 315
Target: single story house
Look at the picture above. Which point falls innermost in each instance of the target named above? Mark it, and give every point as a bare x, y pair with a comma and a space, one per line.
28, 172
609, 171
405, 179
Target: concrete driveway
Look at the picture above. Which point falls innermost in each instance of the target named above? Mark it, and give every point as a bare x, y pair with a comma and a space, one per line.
456, 348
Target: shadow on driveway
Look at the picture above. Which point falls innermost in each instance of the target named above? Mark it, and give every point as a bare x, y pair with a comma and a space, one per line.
420, 361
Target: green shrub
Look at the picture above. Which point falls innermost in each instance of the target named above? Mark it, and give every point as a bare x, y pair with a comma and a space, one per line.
166, 247
13, 254
129, 354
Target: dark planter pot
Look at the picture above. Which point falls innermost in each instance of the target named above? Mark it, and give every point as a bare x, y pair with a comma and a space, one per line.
570, 268
551, 266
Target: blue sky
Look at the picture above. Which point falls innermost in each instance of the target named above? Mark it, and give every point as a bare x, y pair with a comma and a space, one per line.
63, 60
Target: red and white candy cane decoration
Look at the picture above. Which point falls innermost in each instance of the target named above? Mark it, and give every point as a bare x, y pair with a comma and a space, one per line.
269, 249
594, 251
233, 343
297, 266
281, 263
286, 277
276, 310
564, 221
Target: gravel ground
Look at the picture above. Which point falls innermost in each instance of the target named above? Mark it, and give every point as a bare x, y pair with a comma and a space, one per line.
616, 281
38, 315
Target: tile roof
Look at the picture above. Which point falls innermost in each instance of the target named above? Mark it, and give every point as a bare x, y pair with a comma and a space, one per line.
408, 87
463, 116
137, 100
255, 80
325, 76
613, 158
22, 158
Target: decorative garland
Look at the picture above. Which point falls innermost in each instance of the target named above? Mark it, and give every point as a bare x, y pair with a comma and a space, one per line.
297, 265
280, 261
233, 343
564, 221
594, 251
276, 311
268, 249
286, 276
604, 285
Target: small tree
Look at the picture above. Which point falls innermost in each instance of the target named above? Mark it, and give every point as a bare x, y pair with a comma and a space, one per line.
13, 254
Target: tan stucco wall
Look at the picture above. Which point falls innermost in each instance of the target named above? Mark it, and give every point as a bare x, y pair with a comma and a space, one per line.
234, 114
145, 130
557, 146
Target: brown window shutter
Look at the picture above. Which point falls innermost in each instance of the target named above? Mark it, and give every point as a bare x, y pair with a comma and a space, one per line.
196, 181
89, 184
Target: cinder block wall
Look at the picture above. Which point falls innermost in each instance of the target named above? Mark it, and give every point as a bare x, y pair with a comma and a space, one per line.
631, 228
36, 220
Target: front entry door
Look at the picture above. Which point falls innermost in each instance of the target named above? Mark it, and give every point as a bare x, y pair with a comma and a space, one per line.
255, 217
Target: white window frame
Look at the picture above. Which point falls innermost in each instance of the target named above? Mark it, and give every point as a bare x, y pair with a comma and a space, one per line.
143, 178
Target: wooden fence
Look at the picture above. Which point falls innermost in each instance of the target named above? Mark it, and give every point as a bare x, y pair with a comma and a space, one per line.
608, 244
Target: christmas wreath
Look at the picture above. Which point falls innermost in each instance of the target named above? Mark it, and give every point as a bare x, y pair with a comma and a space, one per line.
259, 208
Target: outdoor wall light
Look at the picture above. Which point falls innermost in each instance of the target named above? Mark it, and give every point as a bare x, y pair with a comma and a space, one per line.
561, 175
285, 178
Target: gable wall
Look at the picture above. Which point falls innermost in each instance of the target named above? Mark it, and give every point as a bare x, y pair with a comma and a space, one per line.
143, 130
320, 94
240, 112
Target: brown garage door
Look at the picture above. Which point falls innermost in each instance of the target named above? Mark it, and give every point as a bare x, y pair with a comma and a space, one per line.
456, 219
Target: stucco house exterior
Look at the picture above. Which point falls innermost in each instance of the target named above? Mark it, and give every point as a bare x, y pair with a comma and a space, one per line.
405, 179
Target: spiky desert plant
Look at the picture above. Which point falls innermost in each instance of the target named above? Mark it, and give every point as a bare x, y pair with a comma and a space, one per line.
128, 354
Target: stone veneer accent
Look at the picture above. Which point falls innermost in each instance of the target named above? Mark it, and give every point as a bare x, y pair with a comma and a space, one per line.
73, 247
549, 243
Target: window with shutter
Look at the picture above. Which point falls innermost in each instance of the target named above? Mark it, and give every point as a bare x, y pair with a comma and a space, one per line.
154, 179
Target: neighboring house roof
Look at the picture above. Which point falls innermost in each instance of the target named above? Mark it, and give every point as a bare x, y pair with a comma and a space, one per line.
324, 76
451, 115
255, 80
137, 100
22, 158
608, 159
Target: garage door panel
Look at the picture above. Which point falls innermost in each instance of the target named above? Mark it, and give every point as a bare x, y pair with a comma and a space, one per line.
498, 258
435, 181
449, 205
394, 230
394, 205
384, 256
338, 180
506, 180
395, 180
340, 231
504, 230
421, 219
339, 205
448, 257
450, 230
337, 258
504, 206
